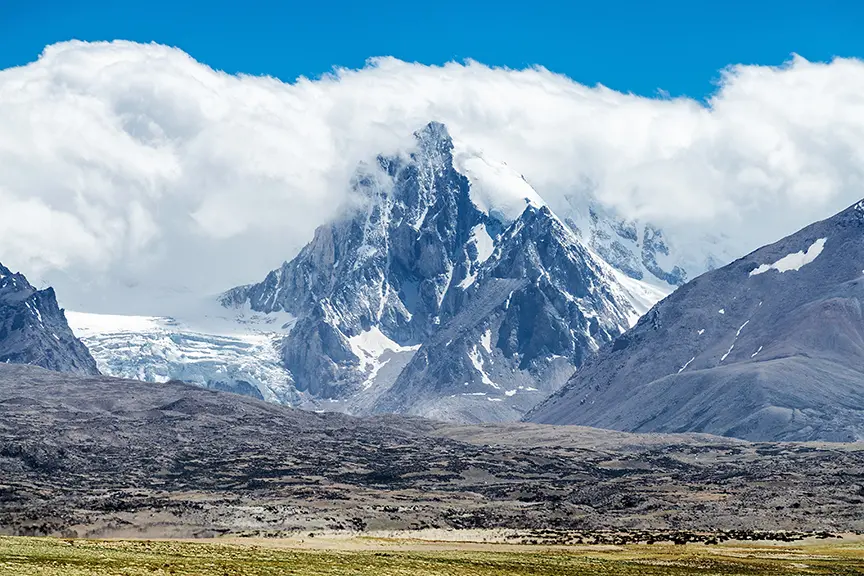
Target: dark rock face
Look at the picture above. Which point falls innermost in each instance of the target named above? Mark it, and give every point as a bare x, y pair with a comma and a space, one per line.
540, 306
33, 329
769, 347
416, 260
389, 265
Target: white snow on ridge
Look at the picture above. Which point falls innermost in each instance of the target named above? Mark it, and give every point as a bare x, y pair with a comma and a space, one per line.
496, 189
793, 261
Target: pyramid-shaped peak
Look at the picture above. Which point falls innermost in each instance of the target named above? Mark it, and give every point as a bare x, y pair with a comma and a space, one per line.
434, 136
434, 130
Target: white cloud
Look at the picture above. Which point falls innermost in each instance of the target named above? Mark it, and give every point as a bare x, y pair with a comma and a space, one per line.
125, 164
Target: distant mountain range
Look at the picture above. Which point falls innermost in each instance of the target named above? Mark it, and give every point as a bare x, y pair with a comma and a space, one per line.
769, 347
449, 288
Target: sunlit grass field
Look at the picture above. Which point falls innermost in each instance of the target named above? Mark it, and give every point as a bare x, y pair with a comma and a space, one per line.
49, 556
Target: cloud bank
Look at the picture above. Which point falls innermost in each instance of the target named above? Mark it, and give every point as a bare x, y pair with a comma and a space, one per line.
126, 166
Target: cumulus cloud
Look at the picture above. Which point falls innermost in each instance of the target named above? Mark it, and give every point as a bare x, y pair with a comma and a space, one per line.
126, 165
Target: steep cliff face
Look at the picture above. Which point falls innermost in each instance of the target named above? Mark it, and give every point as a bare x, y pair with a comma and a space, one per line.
540, 306
33, 329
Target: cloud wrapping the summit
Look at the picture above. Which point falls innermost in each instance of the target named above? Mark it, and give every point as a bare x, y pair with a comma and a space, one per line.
124, 164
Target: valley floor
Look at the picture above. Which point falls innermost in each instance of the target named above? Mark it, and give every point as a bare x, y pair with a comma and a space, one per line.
360, 555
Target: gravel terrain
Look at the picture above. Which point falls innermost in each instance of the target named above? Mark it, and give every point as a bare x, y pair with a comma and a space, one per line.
95, 456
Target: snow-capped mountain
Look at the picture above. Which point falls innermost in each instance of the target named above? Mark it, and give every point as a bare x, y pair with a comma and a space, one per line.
440, 240
33, 329
539, 307
769, 347
389, 265
454, 258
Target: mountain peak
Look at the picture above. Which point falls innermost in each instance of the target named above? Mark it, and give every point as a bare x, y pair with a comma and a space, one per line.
434, 132
33, 328
435, 144
458, 243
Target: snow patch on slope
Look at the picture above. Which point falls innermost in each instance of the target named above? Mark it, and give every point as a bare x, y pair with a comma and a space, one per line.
641, 295
370, 347
479, 365
793, 261
484, 243
485, 247
486, 341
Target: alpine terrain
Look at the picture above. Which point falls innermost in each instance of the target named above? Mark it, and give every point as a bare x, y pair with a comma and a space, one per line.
452, 292
33, 329
770, 347
449, 288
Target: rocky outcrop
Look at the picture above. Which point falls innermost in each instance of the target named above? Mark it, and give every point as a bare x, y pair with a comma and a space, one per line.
33, 329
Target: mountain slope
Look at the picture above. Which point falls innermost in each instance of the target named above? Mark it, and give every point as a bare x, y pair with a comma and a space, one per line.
428, 248
33, 329
768, 347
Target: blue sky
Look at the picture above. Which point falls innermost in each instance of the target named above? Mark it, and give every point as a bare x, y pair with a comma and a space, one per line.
626, 45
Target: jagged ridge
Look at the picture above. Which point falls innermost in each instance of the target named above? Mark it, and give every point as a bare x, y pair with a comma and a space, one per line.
33, 329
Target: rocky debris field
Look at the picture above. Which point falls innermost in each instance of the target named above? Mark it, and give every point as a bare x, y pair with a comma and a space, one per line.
95, 456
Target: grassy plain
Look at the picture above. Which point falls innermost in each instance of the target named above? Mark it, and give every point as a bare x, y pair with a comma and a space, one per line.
384, 557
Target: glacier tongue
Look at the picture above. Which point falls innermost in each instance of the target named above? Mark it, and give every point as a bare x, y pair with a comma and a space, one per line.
237, 352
